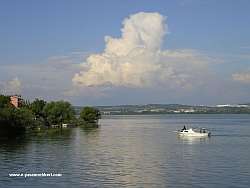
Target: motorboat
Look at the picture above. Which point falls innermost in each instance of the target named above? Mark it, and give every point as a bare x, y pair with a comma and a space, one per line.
202, 132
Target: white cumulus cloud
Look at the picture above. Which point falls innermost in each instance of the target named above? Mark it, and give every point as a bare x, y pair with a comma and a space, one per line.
243, 77
137, 60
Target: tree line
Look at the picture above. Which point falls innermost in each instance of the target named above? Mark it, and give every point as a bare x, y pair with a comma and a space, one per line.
40, 114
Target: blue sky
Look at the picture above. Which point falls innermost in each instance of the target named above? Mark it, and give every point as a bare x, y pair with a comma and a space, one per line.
34, 32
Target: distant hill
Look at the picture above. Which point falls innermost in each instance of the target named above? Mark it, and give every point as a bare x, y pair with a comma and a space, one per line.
171, 109
248, 104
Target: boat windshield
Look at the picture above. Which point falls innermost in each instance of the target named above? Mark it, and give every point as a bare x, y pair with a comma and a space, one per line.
203, 130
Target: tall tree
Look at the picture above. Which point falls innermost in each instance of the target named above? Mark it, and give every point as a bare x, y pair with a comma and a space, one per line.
59, 112
37, 107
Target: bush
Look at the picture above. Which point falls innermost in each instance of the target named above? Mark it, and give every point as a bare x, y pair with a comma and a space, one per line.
4, 101
90, 115
16, 121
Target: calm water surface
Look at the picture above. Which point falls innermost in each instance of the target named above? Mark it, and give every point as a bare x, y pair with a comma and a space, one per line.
134, 151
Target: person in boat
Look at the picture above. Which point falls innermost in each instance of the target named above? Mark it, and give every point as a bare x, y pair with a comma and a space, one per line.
184, 128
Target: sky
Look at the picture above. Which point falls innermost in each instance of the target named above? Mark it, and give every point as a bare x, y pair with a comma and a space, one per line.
113, 52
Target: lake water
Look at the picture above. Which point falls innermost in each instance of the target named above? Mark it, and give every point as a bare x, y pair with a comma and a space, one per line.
134, 151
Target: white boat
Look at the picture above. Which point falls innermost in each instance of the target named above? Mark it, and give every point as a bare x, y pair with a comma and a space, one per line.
193, 132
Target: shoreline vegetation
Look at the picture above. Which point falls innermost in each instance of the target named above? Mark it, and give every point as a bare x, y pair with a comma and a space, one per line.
41, 116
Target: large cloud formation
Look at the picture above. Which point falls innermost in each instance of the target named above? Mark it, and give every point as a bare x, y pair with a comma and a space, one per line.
137, 60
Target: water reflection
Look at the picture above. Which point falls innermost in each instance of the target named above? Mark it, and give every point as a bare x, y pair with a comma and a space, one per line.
90, 130
131, 151
120, 154
12, 144
53, 133
193, 140
34, 142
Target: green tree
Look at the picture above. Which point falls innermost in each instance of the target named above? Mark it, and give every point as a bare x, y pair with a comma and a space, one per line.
14, 121
90, 115
37, 107
59, 112
4, 101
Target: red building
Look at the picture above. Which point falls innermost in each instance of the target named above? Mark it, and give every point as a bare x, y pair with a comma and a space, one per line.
16, 100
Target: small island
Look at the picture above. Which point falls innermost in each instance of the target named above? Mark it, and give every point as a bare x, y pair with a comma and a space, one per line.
18, 116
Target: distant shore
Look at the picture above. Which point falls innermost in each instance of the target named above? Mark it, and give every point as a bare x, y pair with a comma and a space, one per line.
120, 114
152, 109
